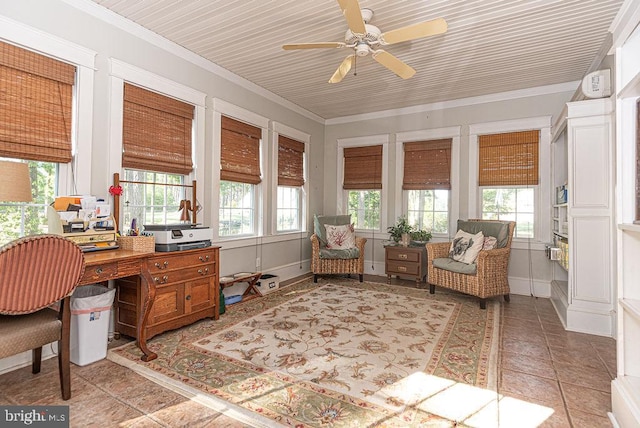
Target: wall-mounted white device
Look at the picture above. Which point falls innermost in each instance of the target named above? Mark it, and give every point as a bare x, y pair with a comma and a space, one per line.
597, 84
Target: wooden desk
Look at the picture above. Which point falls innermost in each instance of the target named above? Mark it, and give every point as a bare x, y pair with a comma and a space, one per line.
190, 276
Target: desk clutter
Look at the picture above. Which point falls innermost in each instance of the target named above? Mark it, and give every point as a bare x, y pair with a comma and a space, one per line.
84, 220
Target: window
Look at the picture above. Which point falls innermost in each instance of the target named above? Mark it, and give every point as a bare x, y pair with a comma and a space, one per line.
363, 183
157, 144
290, 182
36, 124
30, 218
508, 178
239, 176
427, 184
152, 199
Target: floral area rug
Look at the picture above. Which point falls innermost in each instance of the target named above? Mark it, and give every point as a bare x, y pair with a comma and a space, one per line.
333, 354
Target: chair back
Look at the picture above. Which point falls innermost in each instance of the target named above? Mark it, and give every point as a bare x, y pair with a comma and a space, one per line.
500, 229
37, 271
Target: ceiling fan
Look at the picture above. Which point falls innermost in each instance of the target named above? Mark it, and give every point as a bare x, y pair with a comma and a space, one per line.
365, 38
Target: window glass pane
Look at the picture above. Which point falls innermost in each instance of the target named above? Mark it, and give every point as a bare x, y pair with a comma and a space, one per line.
156, 201
428, 207
288, 209
511, 204
236, 213
19, 219
364, 207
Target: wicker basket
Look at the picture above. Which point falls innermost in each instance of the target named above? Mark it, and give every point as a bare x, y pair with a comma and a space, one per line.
143, 244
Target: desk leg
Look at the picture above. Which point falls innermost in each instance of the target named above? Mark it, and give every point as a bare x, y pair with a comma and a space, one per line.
148, 290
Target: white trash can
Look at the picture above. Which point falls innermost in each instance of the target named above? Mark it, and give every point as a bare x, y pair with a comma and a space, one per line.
90, 309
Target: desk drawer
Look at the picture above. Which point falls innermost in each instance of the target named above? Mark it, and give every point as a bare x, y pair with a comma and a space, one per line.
395, 267
403, 254
165, 262
99, 273
163, 277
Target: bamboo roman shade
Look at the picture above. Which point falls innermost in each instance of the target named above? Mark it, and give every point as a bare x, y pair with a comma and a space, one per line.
290, 162
240, 152
35, 106
509, 159
362, 168
156, 132
427, 165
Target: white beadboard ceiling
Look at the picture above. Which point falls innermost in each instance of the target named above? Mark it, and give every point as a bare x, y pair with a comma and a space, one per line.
491, 46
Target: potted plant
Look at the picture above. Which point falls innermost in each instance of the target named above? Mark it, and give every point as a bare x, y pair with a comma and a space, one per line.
420, 236
401, 227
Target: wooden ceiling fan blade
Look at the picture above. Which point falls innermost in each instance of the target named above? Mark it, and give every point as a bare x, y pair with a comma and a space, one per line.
415, 31
342, 70
321, 45
353, 15
393, 64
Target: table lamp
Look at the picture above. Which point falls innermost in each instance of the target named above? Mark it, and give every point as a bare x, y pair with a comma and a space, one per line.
16, 182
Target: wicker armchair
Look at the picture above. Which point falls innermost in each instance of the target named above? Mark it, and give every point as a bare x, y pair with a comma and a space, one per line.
490, 278
335, 261
321, 266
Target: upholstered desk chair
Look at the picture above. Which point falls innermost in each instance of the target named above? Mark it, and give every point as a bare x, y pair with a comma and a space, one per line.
36, 272
487, 276
325, 260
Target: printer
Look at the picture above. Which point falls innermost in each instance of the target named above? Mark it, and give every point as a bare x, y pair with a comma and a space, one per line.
179, 237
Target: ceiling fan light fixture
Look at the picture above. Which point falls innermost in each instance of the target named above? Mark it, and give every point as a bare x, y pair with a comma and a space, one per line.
362, 49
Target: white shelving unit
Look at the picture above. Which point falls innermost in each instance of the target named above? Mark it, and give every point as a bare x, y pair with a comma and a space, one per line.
584, 228
625, 388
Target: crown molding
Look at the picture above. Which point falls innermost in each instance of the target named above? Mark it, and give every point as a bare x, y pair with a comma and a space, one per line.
463, 102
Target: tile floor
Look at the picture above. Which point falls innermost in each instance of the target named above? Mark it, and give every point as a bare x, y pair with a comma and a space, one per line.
540, 363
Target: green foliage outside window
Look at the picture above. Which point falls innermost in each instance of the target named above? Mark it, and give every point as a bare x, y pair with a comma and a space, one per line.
22, 219
364, 207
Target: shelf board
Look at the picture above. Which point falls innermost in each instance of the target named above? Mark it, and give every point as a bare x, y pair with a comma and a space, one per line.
562, 235
629, 227
632, 306
560, 205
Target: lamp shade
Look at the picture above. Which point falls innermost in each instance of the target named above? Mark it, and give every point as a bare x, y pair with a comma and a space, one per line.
15, 182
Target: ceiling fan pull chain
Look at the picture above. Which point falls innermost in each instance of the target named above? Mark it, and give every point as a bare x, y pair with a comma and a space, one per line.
355, 65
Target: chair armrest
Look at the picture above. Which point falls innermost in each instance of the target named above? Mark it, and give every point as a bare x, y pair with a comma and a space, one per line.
485, 256
437, 250
360, 243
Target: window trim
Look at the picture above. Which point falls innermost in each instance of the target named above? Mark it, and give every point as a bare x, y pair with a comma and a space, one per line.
542, 212
82, 133
224, 108
342, 195
401, 200
287, 131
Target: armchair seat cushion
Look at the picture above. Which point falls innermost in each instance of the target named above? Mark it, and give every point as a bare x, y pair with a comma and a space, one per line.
344, 254
451, 265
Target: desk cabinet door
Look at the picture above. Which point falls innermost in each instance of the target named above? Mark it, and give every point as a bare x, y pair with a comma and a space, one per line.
168, 304
198, 295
